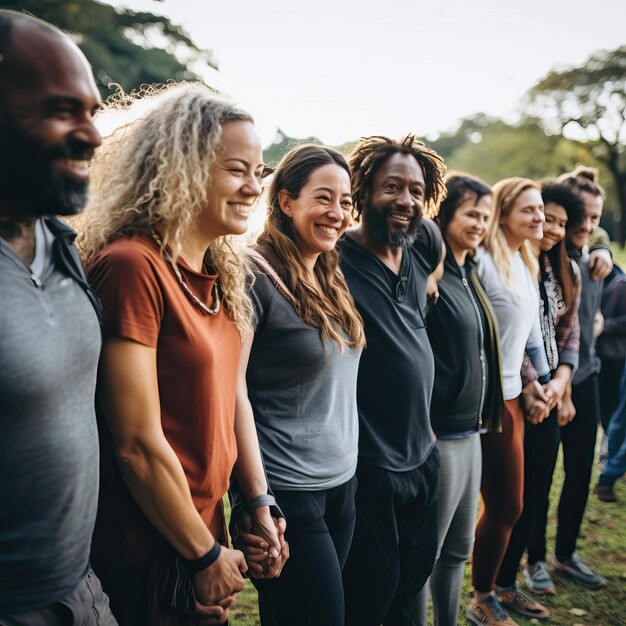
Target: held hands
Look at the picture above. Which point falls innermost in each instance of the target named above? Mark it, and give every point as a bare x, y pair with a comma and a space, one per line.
261, 538
554, 390
217, 586
537, 404
567, 412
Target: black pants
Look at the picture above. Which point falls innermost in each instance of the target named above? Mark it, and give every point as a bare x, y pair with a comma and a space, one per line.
541, 446
394, 545
579, 441
309, 590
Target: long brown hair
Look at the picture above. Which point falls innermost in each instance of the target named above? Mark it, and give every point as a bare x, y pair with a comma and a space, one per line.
334, 313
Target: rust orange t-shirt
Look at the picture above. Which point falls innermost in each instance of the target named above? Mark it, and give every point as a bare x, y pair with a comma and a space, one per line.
197, 359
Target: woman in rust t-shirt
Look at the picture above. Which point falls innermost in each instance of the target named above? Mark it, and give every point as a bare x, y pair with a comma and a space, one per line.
166, 191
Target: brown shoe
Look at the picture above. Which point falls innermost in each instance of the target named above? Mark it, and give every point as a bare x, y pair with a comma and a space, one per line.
489, 612
514, 600
605, 493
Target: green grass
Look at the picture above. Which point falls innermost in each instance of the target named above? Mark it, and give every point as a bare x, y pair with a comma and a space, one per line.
602, 541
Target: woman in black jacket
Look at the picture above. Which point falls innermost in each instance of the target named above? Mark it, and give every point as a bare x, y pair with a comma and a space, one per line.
467, 392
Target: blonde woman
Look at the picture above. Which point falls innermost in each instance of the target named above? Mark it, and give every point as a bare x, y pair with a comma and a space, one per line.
302, 373
508, 269
167, 191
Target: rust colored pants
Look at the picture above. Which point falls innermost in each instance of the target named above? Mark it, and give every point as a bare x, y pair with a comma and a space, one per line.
502, 490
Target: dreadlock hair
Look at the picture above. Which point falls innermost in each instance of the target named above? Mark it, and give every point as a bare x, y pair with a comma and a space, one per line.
562, 195
371, 152
505, 193
334, 313
459, 188
583, 178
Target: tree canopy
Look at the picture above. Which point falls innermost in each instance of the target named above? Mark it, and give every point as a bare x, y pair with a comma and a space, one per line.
589, 101
124, 47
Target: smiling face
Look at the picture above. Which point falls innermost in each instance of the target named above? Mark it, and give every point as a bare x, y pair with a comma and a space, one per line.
394, 205
47, 135
235, 176
321, 212
525, 219
468, 225
579, 236
554, 226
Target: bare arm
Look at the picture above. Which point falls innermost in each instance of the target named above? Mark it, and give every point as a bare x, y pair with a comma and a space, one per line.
151, 469
249, 472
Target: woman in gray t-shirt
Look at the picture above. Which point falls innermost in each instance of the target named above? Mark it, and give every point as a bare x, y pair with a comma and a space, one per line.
301, 378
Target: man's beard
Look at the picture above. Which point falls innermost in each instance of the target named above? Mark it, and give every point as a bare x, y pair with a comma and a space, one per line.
29, 185
389, 236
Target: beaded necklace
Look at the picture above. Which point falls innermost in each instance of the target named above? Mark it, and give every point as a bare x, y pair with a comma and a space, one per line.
186, 288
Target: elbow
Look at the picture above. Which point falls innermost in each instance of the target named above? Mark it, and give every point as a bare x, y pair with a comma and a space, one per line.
134, 455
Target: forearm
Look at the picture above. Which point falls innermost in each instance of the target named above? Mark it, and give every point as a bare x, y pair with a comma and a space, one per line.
158, 484
529, 373
248, 471
129, 394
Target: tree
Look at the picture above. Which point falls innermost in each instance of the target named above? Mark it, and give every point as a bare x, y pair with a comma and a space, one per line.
124, 47
589, 100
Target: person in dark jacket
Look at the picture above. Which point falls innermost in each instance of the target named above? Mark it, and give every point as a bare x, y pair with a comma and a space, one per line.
467, 393
611, 345
612, 351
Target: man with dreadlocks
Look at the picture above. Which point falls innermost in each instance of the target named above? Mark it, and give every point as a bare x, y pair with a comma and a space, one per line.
386, 260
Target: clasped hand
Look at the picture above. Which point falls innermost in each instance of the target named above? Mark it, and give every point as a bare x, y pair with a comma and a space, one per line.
261, 538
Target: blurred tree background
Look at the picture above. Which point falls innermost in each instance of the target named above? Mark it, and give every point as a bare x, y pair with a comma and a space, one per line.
129, 48
572, 115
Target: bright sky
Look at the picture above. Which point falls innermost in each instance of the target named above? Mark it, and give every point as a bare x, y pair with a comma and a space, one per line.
341, 69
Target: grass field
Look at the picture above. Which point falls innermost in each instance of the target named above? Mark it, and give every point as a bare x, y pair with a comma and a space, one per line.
602, 541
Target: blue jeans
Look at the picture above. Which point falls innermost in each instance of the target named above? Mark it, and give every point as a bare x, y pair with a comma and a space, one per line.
615, 466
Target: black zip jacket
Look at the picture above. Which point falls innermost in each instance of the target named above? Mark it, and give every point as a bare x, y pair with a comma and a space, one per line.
467, 393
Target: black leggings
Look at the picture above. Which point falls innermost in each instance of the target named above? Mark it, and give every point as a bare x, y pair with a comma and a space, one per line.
541, 445
309, 590
579, 441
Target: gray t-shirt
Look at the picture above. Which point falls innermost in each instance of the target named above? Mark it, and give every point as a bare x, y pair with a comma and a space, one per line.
303, 397
49, 348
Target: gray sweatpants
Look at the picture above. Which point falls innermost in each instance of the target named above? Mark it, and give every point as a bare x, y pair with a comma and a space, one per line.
459, 486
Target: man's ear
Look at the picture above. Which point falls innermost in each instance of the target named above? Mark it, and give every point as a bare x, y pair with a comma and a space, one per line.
285, 202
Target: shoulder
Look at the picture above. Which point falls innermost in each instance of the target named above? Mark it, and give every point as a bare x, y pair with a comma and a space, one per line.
131, 265
427, 246
128, 254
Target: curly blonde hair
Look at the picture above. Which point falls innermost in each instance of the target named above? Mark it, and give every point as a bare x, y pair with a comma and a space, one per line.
505, 193
153, 173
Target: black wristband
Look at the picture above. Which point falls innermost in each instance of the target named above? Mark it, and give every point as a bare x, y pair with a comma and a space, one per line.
197, 565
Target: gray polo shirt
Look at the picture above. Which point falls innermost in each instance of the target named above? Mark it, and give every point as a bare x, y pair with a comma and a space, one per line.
49, 348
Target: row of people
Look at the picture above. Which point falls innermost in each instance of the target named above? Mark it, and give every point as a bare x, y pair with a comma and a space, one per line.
299, 371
